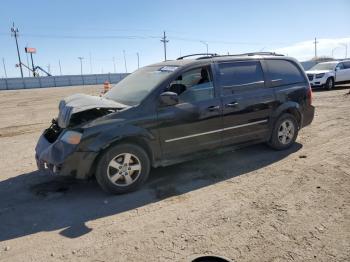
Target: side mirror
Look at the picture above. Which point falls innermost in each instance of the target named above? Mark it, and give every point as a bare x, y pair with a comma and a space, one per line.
337, 69
169, 98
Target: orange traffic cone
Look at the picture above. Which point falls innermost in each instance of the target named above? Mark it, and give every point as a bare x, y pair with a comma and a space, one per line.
106, 87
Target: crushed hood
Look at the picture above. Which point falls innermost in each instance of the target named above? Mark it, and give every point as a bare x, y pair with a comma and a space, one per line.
80, 102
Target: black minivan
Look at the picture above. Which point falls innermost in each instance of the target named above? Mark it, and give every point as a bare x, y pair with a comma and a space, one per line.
172, 111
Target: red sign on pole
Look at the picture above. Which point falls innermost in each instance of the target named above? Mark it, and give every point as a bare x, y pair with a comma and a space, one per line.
30, 50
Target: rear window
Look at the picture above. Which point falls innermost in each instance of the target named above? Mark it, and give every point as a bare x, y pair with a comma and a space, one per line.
283, 72
245, 74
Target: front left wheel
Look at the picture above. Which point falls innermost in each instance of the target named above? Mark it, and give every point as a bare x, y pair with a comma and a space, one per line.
122, 168
329, 85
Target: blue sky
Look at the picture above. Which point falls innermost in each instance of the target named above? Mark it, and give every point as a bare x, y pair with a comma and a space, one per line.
63, 30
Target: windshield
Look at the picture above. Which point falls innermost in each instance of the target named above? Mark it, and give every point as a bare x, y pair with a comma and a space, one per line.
324, 66
136, 86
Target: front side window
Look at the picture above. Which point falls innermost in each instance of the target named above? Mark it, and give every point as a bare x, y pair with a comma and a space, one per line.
243, 75
340, 66
136, 86
194, 85
283, 72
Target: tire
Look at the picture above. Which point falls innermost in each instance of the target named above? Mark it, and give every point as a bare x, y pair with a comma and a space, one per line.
122, 168
281, 138
329, 85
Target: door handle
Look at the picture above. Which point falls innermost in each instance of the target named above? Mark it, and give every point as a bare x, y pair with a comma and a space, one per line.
232, 104
213, 108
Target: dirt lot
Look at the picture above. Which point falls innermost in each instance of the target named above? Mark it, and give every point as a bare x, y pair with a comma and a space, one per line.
255, 204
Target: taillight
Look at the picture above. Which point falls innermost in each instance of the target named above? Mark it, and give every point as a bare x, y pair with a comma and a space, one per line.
309, 95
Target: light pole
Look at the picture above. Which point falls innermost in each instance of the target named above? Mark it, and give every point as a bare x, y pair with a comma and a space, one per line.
3, 63
126, 68
206, 44
59, 64
138, 60
81, 64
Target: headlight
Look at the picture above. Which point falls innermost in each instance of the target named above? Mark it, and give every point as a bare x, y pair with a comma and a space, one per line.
71, 137
320, 75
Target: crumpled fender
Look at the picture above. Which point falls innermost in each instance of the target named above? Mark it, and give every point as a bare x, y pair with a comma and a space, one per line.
101, 136
54, 153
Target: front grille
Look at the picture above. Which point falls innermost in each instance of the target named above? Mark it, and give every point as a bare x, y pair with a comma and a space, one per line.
311, 77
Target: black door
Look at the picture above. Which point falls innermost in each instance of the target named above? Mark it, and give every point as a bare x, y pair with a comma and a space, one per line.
194, 123
247, 103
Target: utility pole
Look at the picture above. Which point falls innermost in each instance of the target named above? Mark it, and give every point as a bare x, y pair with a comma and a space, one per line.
206, 44
49, 69
126, 68
3, 63
138, 60
81, 64
315, 42
59, 64
114, 67
28, 63
15, 34
164, 41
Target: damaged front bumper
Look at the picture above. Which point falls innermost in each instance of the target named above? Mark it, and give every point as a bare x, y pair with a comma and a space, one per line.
60, 158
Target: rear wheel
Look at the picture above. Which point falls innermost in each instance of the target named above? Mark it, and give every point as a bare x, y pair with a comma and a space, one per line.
284, 132
329, 83
122, 168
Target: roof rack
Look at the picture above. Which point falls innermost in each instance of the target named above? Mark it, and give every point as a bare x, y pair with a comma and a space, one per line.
211, 55
256, 53
204, 55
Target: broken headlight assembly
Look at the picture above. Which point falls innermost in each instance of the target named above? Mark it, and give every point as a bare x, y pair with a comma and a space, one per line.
71, 137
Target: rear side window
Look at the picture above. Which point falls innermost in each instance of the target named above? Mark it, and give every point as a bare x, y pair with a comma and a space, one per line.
246, 74
283, 72
346, 65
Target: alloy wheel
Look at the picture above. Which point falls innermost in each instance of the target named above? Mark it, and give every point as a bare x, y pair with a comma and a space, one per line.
124, 169
286, 132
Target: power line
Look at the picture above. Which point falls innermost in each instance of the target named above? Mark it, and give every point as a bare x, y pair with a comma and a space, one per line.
15, 34
164, 41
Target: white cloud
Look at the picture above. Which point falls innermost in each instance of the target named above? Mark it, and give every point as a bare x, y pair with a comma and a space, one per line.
306, 50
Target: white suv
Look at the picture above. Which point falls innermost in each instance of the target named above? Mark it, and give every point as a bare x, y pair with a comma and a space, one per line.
329, 73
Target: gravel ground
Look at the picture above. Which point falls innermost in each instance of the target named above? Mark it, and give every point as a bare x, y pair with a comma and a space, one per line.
254, 204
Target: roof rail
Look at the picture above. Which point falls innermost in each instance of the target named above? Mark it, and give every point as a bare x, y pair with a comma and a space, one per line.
205, 55
263, 53
210, 55
256, 53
